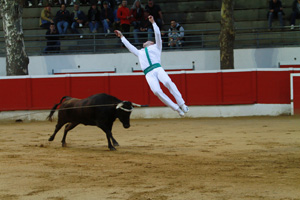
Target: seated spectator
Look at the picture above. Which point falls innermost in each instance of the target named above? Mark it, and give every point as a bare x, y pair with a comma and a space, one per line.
78, 19
116, 24
93, 18
137, 13
62, 19
295, 13
144, 29
46, 17
107, 17
275, 10
155, 11
124, 15
53, 43
176, 34
111, 4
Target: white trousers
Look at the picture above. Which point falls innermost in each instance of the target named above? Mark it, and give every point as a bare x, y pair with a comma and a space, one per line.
159, 75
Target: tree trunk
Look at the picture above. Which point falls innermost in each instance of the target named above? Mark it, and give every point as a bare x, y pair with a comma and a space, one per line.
227, 35
16, 58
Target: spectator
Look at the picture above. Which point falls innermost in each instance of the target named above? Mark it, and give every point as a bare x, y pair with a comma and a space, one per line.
62, 19
46, 17
176, 34
275, 10
107, 17
116, 24
78, 19
94, 17
124, 15
155, 11
53, 43
110, 3
137, 13
144, 27
295, 13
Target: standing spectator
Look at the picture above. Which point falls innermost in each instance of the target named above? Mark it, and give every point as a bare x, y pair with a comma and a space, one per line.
116, 24
62, 19
53, 43
176, 34
296, 13
107, 17
137, 13
94, 17
78, 19
155, 11
275, 10
124, 15
46, 17
145, 27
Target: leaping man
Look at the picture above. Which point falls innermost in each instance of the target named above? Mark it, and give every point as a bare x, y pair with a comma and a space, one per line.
149, 57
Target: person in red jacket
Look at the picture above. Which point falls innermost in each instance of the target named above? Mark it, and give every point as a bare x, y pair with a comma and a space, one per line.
124, 15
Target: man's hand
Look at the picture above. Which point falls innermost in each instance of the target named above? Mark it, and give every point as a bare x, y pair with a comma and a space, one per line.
118, 33
151, 19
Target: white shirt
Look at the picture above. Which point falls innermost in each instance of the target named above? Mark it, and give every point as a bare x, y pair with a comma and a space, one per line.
153, 50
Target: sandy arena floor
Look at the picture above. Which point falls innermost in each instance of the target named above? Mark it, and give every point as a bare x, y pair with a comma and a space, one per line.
178, 159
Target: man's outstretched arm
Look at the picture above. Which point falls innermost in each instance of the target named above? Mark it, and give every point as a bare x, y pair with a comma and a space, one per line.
129, 46
157, 34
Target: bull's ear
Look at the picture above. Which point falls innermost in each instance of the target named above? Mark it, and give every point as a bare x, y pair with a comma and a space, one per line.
119, 105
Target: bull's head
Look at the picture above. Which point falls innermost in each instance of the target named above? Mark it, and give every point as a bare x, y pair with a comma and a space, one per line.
124, 110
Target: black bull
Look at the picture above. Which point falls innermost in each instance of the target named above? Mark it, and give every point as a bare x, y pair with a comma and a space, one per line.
99, 110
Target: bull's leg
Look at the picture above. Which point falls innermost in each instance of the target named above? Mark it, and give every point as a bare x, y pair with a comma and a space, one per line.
57, 128
108, 133
68, 127
114, 141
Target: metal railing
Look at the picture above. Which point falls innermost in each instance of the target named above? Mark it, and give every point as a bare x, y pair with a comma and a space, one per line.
194, 40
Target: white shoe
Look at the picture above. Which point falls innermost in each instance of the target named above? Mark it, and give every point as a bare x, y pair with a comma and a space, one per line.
292, 27
99, 2
72, 3
29, 4
81, 36
40, 4
180, 112
184, 108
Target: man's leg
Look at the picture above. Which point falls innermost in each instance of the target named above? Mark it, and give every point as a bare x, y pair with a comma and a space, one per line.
153, 83
168, 83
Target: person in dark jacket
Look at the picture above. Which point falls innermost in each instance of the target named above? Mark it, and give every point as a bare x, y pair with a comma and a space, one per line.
62, 19
94, 18
53, 43
275, 10
78, 19
296, 13
107, 17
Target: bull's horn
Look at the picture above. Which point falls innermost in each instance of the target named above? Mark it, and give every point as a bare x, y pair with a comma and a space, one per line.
136, 105
119, 105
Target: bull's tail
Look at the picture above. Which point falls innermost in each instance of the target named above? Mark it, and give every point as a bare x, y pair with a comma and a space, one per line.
54, 108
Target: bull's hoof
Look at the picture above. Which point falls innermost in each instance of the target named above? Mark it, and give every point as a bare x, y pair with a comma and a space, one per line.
51, 139
64, 144
116, 144
112, 149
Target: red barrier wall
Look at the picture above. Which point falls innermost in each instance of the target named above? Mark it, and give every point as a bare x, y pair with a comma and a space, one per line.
197, 88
